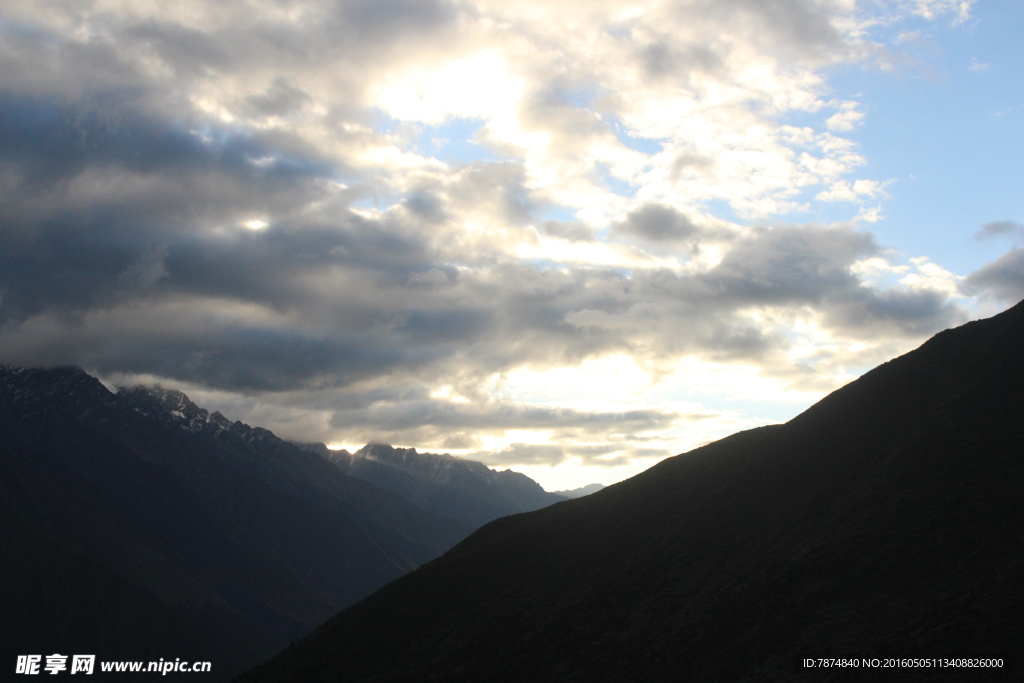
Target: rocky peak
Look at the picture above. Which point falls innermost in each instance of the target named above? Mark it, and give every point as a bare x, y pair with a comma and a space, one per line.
387, 453
31, 390
171, 405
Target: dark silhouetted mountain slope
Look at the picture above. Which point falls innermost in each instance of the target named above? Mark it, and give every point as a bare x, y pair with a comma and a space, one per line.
137, 526
885, 520
443, 484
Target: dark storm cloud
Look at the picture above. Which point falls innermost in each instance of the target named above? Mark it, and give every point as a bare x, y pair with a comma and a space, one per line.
811, 266
790, 264
573, 232
501, 187
350, 29
867, 313
112, 207
425, 205
387, 19
658, 223
661, 60
280, 99
187, 51
251, 359
1003, 278
690, 163
355, 290
781, 26
263, 60
787, 267
95, 187
278, 265
215, 346
527, 454
46, 141
1000, 228
456, 416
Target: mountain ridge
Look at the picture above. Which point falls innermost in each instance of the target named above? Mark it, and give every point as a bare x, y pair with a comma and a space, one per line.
442, 484
218, 543
581, 491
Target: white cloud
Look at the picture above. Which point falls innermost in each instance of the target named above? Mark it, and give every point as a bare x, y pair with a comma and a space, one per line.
931, 276
931, 9
846, 119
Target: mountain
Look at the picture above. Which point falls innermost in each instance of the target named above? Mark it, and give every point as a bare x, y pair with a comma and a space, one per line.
581, 491
884, 521
442, 484
136, 525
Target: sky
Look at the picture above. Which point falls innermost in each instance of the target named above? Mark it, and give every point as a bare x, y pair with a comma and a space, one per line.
568, 238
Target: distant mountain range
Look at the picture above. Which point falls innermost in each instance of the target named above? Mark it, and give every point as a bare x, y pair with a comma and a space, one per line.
885, 521
581, 491
137, 525
442, 484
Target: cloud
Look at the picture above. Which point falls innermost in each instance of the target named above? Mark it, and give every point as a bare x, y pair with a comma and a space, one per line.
658, 223
791, 264
528, 454
552, 455
1003, 278
846, 119
109, 197
999, 229
506, 415
859, 190
236, 197
908, 312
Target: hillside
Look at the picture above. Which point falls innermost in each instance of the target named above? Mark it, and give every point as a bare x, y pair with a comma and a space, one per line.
886, 520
